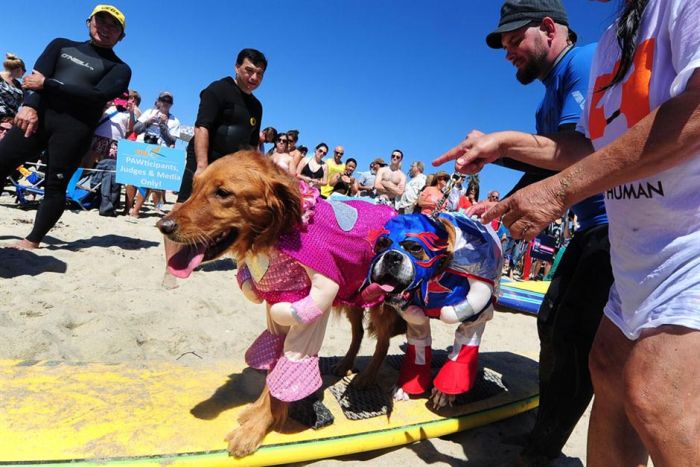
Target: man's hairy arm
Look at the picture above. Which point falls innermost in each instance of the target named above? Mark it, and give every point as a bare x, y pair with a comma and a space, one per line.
666, 137
553, 152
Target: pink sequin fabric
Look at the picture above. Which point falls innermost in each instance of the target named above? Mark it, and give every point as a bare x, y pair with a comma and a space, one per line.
342, 254
284, 281
265, 351
306, 310
293, 380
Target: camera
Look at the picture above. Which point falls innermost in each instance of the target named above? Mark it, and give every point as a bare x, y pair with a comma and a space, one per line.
150, 139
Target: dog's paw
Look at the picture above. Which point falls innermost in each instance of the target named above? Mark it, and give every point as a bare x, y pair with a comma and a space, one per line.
342, 369
439, 399
400, 395
363, 381
247, 413
242, 443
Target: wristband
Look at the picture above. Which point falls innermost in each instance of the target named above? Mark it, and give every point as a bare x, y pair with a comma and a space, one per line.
243, 275
305, 310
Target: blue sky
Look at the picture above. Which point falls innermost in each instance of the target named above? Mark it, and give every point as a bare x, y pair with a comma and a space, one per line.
369, 75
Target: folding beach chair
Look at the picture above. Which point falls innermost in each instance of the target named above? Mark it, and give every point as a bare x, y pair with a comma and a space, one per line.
30, 182
80, 192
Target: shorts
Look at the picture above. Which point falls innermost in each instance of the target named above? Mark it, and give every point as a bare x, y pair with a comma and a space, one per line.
680, 311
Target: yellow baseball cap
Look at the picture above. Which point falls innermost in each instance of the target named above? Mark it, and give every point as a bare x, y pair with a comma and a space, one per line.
112, 11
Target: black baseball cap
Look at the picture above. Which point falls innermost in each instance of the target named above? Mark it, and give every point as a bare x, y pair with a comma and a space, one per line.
518, 13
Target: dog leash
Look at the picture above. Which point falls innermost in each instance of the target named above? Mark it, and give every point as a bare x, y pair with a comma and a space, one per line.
454, 178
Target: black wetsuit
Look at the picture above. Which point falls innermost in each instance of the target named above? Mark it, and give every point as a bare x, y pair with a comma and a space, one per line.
233, 120
80, 79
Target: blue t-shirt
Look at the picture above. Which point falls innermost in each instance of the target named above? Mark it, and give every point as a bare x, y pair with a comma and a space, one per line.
566, 88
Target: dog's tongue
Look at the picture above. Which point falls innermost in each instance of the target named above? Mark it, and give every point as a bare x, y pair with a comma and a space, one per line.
184, 261
374, 291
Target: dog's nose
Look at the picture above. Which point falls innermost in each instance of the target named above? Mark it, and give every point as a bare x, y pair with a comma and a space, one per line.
167, 226
394, 258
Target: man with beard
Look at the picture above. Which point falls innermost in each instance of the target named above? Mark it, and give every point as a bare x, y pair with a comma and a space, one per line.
539, 43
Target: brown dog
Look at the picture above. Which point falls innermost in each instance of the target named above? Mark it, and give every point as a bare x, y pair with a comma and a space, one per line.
299, 254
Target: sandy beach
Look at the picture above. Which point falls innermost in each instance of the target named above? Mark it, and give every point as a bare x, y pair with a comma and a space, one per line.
93, 293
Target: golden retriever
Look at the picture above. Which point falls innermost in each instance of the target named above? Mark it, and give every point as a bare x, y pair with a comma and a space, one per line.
244, 205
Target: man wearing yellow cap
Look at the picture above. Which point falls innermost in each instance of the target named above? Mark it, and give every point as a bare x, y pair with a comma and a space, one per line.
63, 101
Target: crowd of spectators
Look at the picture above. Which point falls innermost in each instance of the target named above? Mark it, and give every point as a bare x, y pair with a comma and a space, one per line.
334, 174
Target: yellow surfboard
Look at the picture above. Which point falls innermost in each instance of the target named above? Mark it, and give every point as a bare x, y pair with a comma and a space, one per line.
55, 413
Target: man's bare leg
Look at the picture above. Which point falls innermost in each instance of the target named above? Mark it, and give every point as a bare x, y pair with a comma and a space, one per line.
662, 378
612, 440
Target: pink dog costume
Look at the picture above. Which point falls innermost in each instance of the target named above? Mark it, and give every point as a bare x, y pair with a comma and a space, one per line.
337, 241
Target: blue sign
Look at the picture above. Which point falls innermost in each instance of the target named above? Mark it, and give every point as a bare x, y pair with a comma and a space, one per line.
149, 165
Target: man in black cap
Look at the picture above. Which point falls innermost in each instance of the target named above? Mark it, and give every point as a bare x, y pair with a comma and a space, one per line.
523, 15
539, 43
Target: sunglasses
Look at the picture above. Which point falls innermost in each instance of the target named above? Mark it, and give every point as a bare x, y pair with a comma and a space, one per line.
322, 152
494, 197
283, 141
339, 153
395, 156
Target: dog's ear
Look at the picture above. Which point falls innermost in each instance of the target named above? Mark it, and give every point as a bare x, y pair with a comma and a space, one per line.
286, 200
282, 207
451, 236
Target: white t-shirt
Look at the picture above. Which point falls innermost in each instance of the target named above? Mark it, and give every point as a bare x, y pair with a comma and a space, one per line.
154, 129
655, 221
410, 195
115, 127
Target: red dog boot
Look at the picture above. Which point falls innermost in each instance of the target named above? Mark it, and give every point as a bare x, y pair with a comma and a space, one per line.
458, 374
264, 352
415, 368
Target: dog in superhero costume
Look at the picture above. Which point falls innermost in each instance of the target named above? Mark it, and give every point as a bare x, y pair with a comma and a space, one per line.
446, 268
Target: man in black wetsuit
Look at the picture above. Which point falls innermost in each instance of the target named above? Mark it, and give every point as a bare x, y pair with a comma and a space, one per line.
228, 120
66, 94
